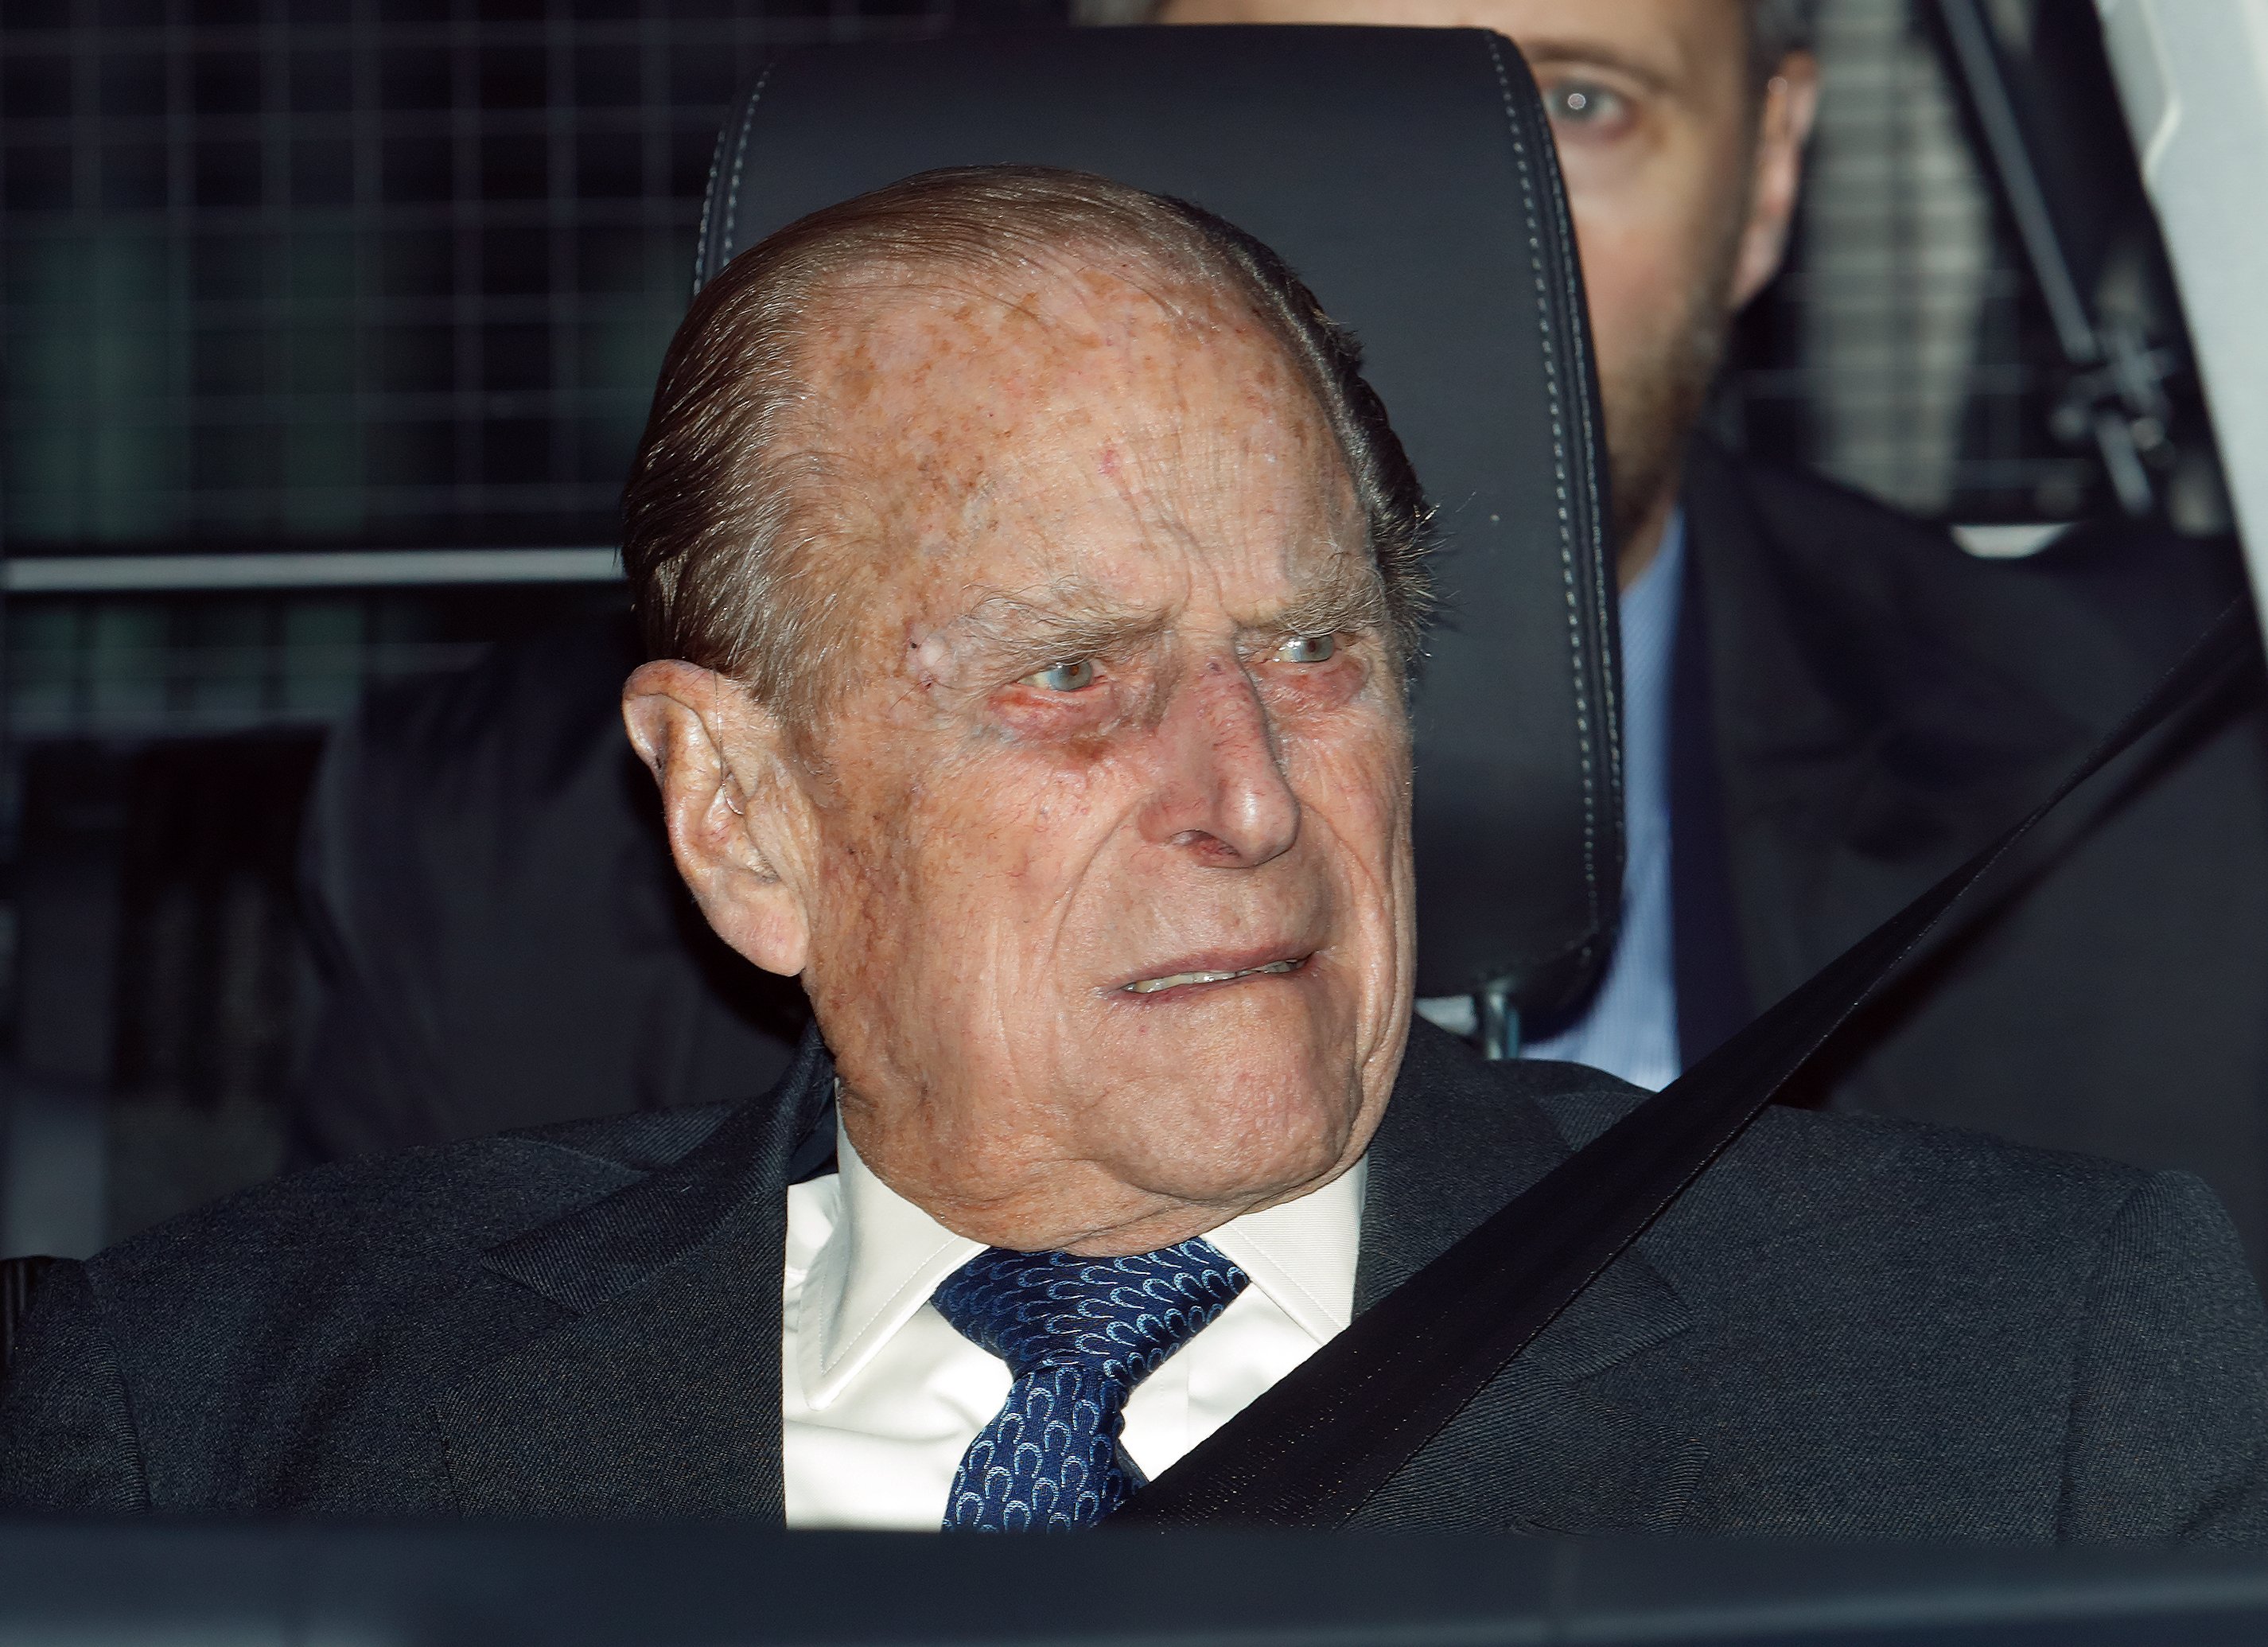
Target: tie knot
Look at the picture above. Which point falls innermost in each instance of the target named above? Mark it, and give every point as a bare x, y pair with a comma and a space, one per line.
1118, 1318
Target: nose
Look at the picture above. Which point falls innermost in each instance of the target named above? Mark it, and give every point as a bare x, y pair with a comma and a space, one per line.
1221, 795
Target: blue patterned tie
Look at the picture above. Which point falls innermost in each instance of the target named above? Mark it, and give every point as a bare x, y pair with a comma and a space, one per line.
1079, 1333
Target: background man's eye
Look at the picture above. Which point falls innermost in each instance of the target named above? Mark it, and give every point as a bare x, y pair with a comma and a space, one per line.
1309, 649
1582, 103
1063, 677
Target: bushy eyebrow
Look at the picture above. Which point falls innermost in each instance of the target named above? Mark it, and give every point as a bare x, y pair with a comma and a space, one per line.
1350, 599
1010, 635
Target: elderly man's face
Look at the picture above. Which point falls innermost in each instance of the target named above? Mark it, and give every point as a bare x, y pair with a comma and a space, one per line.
1680, 179
1101, 845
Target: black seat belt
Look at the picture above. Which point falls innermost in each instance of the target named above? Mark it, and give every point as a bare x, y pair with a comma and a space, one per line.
1345, 1423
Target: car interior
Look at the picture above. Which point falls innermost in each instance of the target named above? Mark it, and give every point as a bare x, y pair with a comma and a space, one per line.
1408, 176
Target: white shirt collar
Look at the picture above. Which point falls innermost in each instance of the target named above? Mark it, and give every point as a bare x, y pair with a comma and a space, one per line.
884, 1257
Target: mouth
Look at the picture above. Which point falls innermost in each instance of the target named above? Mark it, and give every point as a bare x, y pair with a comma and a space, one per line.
1213, 975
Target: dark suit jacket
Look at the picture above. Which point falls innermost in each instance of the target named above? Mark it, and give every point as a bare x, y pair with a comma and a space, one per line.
502, 935
1850, 1328
1878, 705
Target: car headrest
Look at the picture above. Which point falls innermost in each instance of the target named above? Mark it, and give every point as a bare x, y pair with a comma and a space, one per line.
1408, 175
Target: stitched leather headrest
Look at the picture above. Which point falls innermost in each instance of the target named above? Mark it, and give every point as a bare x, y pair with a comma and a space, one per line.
1408, 175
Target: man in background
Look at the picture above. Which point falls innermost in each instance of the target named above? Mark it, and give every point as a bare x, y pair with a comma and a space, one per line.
1826, 706
1681, 126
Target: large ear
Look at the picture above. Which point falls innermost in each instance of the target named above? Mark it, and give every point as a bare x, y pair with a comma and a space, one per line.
1783, 129
737, 819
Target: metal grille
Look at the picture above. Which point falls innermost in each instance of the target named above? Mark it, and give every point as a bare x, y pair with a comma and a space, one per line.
1906, 349
384, 271
1900, 264
293, 274
164, 666
283, 272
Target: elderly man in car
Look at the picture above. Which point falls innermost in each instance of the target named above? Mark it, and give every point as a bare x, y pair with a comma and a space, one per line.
1032, 582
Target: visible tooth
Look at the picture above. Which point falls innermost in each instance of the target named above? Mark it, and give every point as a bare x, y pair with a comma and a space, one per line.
1151, 985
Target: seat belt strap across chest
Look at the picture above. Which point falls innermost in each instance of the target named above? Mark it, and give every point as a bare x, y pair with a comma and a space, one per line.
1344, 1423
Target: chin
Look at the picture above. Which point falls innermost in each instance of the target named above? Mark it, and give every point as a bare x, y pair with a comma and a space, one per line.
1231, 1126
1240, 1077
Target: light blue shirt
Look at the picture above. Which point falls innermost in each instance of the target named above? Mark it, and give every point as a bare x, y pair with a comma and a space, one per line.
1628, 1027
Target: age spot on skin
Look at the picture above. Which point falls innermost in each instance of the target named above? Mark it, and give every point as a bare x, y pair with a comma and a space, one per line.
931, 655
1086, 750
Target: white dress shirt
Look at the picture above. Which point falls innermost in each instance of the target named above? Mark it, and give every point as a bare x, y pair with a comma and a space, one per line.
880, 1395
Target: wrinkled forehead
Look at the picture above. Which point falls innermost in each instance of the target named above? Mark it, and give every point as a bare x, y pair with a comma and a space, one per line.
1045, 401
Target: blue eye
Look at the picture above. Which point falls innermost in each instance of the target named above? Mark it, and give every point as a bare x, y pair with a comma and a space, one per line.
1309, 649
1074, 677
1582, 103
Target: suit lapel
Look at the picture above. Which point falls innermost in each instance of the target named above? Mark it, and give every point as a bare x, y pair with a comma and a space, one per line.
1711, 994
1792, 752
1866, 745
655, 1389
1540, 1446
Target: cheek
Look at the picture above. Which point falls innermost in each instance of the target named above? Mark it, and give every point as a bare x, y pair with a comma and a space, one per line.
1649, 243
959, 863
1316, 700
1628, 270
1357, 785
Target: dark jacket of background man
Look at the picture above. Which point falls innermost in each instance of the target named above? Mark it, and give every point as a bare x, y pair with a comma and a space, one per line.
1850, 1328
1871, 705
502, 937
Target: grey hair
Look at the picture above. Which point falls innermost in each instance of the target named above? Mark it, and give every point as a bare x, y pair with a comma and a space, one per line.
718, 537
